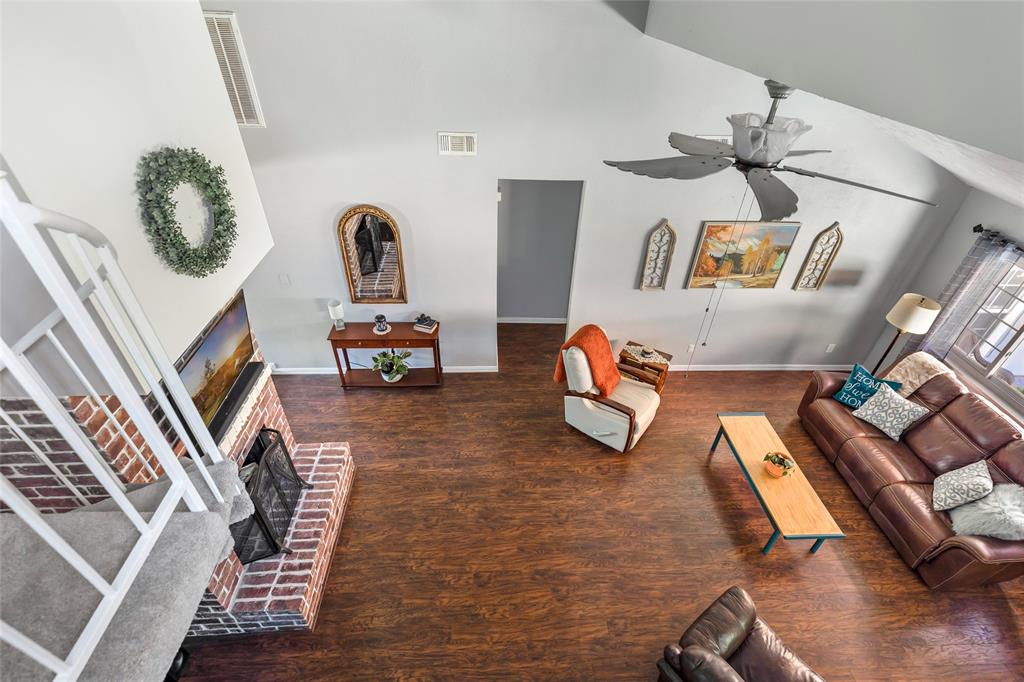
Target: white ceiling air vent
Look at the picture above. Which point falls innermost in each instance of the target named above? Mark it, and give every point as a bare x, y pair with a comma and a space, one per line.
234, 68
456, 144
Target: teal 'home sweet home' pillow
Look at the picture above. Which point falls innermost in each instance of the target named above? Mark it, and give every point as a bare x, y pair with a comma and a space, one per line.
860, 386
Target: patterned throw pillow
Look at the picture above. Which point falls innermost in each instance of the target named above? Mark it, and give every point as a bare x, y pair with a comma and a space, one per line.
961, 486
890, 412
860, 386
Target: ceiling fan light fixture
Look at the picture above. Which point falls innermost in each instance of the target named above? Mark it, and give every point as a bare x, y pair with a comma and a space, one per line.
760, 143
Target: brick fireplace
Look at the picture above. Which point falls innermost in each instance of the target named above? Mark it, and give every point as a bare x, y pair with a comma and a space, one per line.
280, 592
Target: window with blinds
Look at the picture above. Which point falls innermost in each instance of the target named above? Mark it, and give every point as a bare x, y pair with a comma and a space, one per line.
234, 68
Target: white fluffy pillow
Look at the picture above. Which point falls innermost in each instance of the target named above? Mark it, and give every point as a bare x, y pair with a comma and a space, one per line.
1000, 514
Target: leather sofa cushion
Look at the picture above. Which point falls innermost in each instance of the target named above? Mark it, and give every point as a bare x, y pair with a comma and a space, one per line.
904, 511
763, 656
939, 391
722, 627
870, 464
1007, 465
979, 422
836, 424
966, 431
697, 664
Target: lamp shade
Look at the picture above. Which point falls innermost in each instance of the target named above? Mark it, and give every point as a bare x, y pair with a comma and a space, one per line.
757, 141
913, 313
336, 310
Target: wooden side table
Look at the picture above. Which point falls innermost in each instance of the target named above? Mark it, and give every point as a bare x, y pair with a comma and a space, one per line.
659, 368
359, 335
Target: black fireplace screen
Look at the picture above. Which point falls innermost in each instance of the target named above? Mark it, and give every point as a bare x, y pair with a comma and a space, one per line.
275, 488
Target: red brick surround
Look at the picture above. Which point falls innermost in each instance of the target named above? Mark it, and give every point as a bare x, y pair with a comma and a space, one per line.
110, 436
284, 592
261, 410
20, 466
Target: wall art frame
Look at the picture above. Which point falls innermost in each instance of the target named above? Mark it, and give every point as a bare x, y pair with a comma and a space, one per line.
741, 254
661, 244
819, 259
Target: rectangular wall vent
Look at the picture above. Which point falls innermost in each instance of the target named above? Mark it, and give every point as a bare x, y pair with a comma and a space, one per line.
234, 68
456, 144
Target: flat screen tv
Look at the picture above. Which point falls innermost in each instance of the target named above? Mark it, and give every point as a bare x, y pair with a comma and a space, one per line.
215, 361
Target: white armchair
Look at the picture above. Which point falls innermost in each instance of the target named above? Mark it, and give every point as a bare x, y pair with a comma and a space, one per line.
617, 420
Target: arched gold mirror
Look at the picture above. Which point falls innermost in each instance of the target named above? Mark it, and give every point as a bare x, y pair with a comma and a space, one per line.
371, 249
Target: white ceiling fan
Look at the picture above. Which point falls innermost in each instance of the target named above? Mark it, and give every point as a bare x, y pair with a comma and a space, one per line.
760, 144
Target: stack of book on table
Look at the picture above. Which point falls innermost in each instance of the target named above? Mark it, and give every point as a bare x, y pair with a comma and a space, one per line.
426, 324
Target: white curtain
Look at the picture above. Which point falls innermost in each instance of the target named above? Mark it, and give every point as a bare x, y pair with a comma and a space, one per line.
981, 269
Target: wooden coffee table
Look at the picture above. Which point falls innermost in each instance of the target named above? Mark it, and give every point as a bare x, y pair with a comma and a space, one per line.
792, 506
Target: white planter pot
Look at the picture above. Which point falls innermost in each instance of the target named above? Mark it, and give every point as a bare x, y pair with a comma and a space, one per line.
397, 377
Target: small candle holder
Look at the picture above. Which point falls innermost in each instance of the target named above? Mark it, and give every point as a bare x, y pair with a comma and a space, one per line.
380, 325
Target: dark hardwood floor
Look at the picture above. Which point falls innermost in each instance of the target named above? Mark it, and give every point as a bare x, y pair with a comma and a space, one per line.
486, 539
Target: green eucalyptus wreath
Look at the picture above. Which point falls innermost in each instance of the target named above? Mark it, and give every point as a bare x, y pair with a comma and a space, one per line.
159, 173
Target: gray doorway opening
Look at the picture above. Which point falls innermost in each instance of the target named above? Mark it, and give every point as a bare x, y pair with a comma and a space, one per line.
537, 224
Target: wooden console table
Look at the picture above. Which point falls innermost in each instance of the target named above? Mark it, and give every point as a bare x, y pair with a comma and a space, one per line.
359, 335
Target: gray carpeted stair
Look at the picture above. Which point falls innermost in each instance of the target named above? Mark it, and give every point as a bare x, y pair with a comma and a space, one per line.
46, 599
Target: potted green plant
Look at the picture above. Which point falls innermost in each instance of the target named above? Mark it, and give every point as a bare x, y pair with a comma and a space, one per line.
778, 464
391, 365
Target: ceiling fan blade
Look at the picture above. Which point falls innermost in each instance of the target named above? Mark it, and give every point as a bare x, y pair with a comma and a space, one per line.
777, 201
695, 146
805, 152
815, 174
679, 167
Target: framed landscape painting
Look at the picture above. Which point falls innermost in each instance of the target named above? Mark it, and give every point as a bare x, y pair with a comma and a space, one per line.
741, 255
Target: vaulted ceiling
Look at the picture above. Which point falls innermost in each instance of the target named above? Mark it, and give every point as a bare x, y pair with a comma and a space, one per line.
947, 76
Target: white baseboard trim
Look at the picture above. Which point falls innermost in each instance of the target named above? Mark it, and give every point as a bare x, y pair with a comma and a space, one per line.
305, 370
455, 369
760, 368
531, 320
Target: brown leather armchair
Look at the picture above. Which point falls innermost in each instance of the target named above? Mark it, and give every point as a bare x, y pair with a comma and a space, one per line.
729, 643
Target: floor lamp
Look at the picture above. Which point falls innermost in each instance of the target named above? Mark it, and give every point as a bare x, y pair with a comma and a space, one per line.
912, 314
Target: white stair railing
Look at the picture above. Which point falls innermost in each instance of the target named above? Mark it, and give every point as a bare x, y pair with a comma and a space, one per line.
136, 349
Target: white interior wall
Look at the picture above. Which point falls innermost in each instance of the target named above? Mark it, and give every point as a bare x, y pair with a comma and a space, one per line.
977, 208
552, 88
88, 88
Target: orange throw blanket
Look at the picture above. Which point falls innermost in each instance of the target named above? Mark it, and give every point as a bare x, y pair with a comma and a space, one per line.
592, 341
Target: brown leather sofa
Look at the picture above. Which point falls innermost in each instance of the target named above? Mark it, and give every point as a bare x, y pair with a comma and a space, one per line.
729, 643
894, 479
